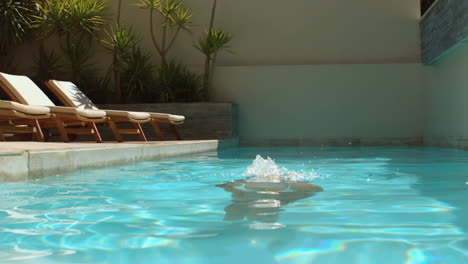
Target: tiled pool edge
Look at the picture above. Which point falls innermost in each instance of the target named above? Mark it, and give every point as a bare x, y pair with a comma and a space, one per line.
30, 164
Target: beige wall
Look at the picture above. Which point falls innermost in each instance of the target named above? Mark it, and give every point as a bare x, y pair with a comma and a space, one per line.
284, 96
376, 104
294, 32
447, 104
278, 32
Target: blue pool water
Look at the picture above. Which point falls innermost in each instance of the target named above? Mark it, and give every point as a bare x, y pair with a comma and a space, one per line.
379, 205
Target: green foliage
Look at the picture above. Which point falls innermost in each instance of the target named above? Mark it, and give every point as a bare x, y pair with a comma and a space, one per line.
120, 40
138, 82
211, 43
7, 64
78, 17
177, 83
97, 88
79, 54
47, 65
76, 23
16, 19
175, 17
167, 8
182, 18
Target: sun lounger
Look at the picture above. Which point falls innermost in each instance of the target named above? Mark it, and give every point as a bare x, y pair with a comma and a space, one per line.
17, 118
70, 95
67, 120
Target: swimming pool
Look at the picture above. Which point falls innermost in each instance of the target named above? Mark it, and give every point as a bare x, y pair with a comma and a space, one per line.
378, 205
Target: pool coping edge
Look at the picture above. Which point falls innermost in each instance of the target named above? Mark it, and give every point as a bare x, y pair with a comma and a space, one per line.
29, 164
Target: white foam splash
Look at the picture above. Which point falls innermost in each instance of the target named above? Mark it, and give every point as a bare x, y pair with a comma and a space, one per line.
263, 170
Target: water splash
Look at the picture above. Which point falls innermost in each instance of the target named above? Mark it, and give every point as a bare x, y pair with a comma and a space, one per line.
266, 170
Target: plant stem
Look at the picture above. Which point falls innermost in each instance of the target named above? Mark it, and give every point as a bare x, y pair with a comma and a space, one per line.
164, 37
213, 12
119, 9
173, 38
71, 55
206, 74
153, 38
118, 89
117, 63
206, 78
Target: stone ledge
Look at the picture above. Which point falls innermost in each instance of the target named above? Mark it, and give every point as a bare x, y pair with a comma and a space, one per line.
202, 120
21, 161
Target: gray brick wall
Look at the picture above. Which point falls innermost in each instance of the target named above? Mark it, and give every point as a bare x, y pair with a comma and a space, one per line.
203, 120
442, 28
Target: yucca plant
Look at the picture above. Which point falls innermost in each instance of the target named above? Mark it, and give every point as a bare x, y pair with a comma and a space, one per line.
79, 55
209, 44
16, 18
177, 84
73, 18
120, 41
175, 19
47, 65
76, 23
138, 79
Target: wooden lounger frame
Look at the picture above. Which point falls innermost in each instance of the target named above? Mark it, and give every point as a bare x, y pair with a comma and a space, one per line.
118, 132
161, 132
72, 124
112, 121
66, 124
21, 123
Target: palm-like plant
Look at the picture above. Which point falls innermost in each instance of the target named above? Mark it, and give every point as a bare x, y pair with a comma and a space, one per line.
209, 44
138, 77
120, 42
213, 42
175, 18
16, 18
177, 83
76, 23
47, 65
78, 17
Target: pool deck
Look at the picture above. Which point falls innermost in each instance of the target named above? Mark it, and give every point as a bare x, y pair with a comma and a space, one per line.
21, 161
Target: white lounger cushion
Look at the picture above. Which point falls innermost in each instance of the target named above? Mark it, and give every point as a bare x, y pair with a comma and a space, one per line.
72, 96
131, 115
25, 109
25, 90
177, 118
174, 118
88, 113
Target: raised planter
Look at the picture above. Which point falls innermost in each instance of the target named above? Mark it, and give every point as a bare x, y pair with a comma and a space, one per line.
203, 120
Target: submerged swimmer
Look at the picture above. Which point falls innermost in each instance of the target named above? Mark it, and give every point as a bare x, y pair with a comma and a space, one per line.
260, 198
269, 184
